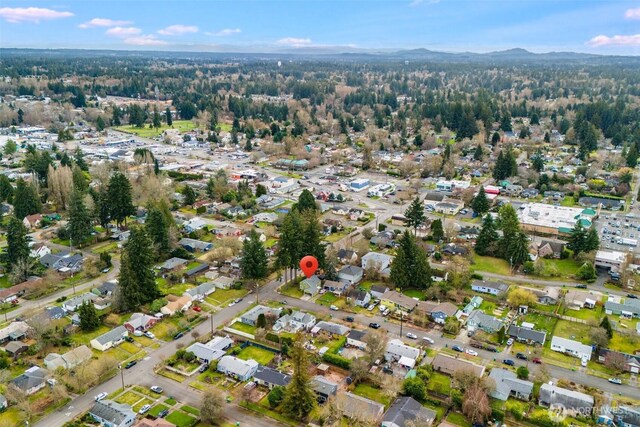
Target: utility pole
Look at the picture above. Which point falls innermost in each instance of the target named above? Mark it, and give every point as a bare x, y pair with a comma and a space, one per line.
121, 374
211, 318
401, 317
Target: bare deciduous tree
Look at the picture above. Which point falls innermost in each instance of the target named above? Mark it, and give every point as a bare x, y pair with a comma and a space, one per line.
212, 405
376, 343
475, 404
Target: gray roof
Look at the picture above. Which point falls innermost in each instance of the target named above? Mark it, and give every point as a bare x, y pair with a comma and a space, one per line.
572, 345
111, 411
484, 321
629, 304
500, 287
355, 406
80, 299
551, 394
203, 352
113, 335
302, 317
351, 270
202, 289
172, 263
271, 376
194, 243
398, 348
32, 377
231, 364
252, 315
357, 335
527, 334
506, 381
322, 385
628, 415
331, 327
405, 409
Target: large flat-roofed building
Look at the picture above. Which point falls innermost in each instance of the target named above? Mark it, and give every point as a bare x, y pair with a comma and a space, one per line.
553, 220
610, 259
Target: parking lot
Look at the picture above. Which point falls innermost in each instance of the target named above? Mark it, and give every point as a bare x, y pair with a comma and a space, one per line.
614, 228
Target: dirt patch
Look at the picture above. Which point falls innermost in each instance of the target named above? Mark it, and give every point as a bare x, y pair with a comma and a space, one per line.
352, 353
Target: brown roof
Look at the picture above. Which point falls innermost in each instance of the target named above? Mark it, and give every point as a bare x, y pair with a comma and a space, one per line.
446, 308
400, 299
426, 307
158, 422
24, 286
450, 365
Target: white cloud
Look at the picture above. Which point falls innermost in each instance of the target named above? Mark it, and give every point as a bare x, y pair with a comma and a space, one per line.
103, 22
618, 40
294, 42
632, 13
225, 32
123, 31
31, 14
145, 40
176, 30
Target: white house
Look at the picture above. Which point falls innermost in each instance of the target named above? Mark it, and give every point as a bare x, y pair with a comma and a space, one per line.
74, 303
223, 282
112, 414
351, 274
243, 370
295, 322
110, 339
201, 291
38, 250
571, 347
376, 260
355, 338
488, 287
69, 360
397, 351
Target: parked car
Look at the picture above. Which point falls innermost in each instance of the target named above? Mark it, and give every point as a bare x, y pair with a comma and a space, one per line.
429, 340
374, 325
156, 389
536, 360
471, 352
203, 368
387, 370
491, 349
581, 286
457, 348
349, 319
508, 362
163, 413
149, 335
412, 336
510, 341
522, 356
144, 409
130, 364
333, 307
100, 396
584, 361
178, 335
632, 296
128, 339
138, 333
615, 381
197, 308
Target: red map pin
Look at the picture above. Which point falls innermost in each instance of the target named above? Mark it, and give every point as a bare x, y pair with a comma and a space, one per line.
309, 265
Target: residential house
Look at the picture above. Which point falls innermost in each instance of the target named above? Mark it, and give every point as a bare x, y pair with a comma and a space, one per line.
270, 377
109, 339
576, 299
404, 355
200, 292
358, 407
396, 301
107, 288
197, 269
38, 250
450, 365
140, 322
15, 331
251, 316
442, 311
453, 249
323, 387
330, 328
212, 350
509, 385
474, 304
376, 260
32, 221
569, 400
631, 362
355, 338
628, 308
52, 313
489, 287
482, 321
336, 288
571, 347
223, 282
384, 239
15, 348
377, 291
194, 224
240, 369
311, 285
295, 322
68, 360
347, 256
63, 262
112, 414
526, 335
356, 214
351, 274
550, 295
194, 245
449, 206
546, 249
175, 305
513, 190
626, 416
405, 409
360, 297
31, 381
173, 264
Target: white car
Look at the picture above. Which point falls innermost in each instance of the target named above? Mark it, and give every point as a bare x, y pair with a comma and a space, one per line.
144, 409
429, 340
584, 361
412, 336
334, 308
471, 352
100, 396
149, 335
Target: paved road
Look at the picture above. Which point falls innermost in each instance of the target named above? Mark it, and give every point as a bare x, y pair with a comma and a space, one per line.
143, 374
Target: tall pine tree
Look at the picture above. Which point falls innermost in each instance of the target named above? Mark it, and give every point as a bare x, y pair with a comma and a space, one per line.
299, 400
480, 203
136, 282
415, 215
410, 268
487, 241
254, 262
17, 243
26, 200
120, 201
79, 226
157, 228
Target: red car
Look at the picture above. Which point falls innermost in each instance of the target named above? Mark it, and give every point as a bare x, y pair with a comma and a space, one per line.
197, 308
536, 360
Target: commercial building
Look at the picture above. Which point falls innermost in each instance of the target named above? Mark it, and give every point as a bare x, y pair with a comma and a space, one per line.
553, 220
359, 184
612, 260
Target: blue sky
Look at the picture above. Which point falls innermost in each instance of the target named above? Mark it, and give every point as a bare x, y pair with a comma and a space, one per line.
606, 26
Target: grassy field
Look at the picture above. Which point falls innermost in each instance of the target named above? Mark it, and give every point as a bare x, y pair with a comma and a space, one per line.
625, 343
572, 330
291, 290
224, 296
258, 354
129, 397
545, 323
491, 265
243, 327
146, 132
4, 281
371, 392
414, 293
458, 419
141, 403
585, 314
191, 410
327, 299
180, 419
157, 409
567, 267
439, 383
110, 247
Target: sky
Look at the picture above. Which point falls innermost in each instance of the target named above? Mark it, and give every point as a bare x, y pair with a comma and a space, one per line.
595, 26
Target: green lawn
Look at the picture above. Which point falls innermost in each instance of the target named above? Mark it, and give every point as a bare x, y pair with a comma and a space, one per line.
170, 401
190, 410
258, 354
567, 267
145, 132
439, 383
291, 290
371, 392
105, 247
141, 403
327, 299
491, 265
85, 337
625, 343
157, 409
414, 293
180, 419
572, 330
4, 281
243, 327
458, 419
568, 201
585, 314
225, 296
542, 322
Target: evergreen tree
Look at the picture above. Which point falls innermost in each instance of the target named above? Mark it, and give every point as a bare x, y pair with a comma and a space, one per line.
478, 153
102, 210
290, 250
495, 138
510, 226
80, 182
115, 117
587, 272
592, 241
189, 195
157, 228
537, 162
167, 117
311, 236
606, 325
100, 124
136, 282
254, 262
79, 226
505, 122
415, 215
518, 249
480, 203
487, 241
89, 320
78, 158
6, 189
632, 156
306, 201
261, 190
17, 243
26, 200
120, 201
65, 160
577, 239
299, 400
10, 147
156, 117
437, 230
410, 268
